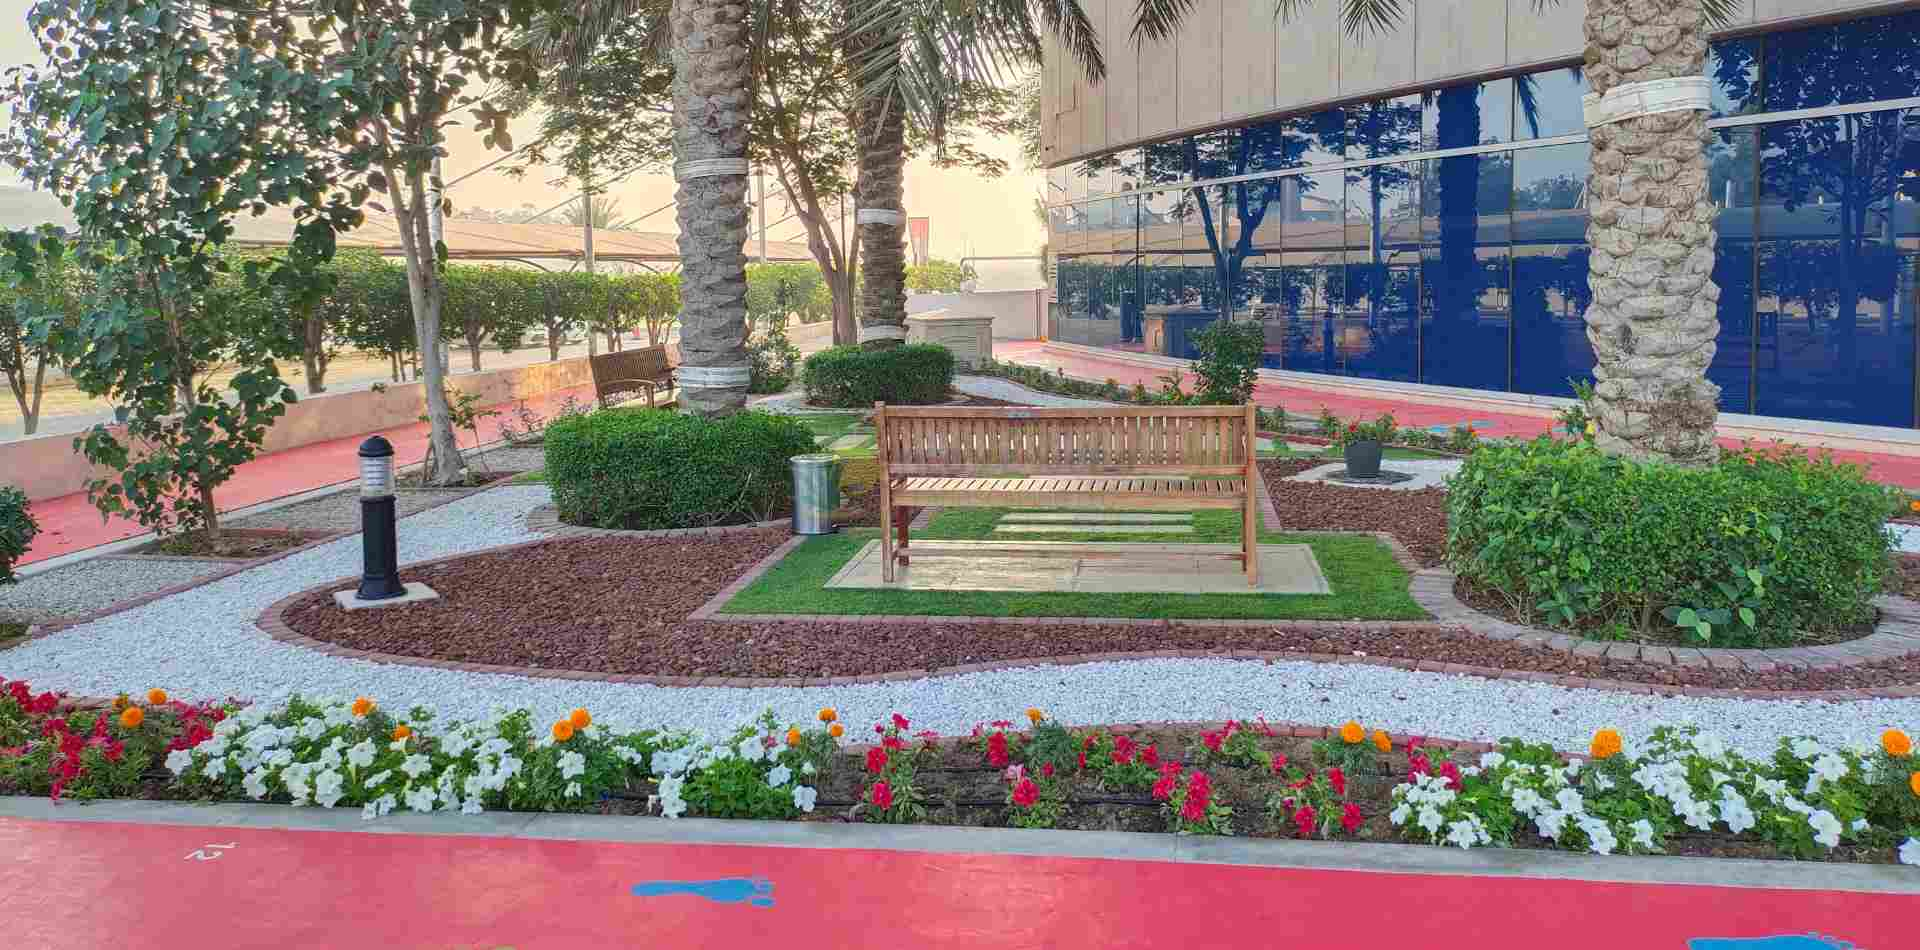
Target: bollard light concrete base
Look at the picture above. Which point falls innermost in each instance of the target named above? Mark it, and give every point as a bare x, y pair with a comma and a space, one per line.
415, 594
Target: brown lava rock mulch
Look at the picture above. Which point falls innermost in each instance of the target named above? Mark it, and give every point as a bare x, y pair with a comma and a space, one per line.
619, 606
1417, 518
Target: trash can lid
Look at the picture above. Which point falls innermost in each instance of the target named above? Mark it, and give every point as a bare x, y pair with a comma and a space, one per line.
817, 458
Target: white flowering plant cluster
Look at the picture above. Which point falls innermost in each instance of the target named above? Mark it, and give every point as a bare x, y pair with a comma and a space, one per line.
1806, 800
759, 771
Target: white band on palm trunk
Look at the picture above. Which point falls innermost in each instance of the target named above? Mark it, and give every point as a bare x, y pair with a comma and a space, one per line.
712, 377
883, 331
880, 216
708, 168
1652, 97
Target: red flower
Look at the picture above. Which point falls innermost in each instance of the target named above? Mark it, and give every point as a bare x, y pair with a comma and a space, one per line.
1194, 809
892, 743
882, 795
899, 721
1199, 784
1303, 820
1046, 769
1350, 818
1265, 729
1452, 773
1150, 755
1026, 793
1417, 765
1122, 750
1083, 760
1163, 789
1212, 740
1003, 724
997, 750
876, 760
1279, 762
1338, 780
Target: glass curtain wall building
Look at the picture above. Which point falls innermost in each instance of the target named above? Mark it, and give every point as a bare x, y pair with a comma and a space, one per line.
1440, 238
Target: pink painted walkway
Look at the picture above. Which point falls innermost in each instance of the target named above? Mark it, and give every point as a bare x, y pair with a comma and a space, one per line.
1411, 412
68, 523
80, 886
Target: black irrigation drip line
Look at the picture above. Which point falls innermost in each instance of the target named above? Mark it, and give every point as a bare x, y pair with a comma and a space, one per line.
953, 803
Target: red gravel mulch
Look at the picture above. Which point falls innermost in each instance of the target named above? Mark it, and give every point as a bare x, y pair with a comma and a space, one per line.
619, 605
1417, 518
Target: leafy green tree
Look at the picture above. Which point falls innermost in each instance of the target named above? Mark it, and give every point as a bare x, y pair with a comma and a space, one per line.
53, 301
938, 277
369, 307
158, 122
654, 300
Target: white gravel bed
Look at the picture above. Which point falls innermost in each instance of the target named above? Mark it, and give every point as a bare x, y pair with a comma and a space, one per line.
1906, 537
95, 584
993, 387
203, 644
339, 511
1427, 473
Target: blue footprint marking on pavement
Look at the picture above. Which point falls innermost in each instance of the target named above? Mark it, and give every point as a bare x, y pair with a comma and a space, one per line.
1784, 942
757, 891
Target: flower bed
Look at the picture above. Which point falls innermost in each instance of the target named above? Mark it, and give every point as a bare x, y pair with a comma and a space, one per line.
1678, 791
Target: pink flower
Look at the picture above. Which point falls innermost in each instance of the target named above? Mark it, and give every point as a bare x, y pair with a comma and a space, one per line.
997, 750
882, 795
1338, 780
1046, 769
1123, 749
1199, 784
1303, 820
899, 721
1452, 773
1150, 755
1350, 818
1194, 809
1014, 773
876, 760
1163, 789
1279, 762
1212, 740
1026, 793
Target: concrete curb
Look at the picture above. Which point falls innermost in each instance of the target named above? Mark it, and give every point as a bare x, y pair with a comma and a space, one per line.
1099, 845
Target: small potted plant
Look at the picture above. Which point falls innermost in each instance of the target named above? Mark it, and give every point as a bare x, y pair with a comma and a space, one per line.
1362, 443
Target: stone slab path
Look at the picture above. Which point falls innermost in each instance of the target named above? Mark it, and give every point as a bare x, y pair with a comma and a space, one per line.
1088, 567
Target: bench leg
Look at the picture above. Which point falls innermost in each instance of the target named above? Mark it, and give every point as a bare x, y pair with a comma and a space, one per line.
1250, 543
886, 534
905, 519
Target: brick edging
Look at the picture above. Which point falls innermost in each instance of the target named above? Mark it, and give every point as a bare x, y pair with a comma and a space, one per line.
546, 520
1896, 635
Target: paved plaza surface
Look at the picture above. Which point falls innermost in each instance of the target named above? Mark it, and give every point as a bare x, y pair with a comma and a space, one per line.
180, 876
1088, 567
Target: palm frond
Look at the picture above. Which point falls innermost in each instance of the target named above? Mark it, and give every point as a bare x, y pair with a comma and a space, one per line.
1372, 17
1160, 19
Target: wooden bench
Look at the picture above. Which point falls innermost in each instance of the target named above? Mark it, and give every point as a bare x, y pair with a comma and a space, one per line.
645, 371
1174, 458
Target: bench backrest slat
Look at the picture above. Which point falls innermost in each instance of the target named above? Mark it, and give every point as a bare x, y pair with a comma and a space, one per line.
645, 362
1120, 440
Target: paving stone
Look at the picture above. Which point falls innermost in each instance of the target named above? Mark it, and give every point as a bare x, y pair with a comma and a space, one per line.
1093, 529
1095, 517
1066, 567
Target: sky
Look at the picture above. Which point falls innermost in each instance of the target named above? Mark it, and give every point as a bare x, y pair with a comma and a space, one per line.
970, 214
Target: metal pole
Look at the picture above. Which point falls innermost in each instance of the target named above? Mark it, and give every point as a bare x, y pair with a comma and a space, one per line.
760, 185
379, 549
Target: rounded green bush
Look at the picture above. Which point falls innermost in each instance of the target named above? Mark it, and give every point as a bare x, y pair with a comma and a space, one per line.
1758, 550
919, 374
645, 469
17, 529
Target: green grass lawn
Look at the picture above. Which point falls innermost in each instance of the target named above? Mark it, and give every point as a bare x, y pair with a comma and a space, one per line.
1367, 582
536, 477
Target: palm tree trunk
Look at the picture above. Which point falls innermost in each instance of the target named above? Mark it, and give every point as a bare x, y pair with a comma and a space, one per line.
1654, 316
881, 221
711, 79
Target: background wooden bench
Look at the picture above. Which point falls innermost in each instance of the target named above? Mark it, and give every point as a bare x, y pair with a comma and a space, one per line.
1109, 458
624, 373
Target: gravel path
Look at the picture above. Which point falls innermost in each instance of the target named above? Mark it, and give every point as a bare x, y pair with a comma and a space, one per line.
203, 644
993, 387
95, 584
339, 511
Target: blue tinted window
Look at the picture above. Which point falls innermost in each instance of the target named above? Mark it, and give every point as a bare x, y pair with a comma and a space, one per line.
1165, 161
1273, 146
1383, 128
1216, 155
1251, 214
1732, 180
1733, 69
1376, 333
1547, 104
1464, 271
1467, 115
1322, 136
1129, 169
1550, 294
1312, 289
1833, 333
1844, 63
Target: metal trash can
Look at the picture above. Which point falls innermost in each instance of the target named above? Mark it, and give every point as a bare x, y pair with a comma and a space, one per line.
816, 492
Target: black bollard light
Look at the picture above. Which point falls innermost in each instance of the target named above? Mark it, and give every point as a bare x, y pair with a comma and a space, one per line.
380, 551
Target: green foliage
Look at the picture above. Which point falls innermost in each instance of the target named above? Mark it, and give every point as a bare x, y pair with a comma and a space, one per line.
1229, 361
778, 292
17, 529
918, 374
938, 277
772, 359
1748, 552
1383, 430
1578, 420
50, 302
646, 469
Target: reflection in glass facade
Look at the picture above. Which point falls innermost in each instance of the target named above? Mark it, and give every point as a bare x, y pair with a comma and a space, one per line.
1440, 238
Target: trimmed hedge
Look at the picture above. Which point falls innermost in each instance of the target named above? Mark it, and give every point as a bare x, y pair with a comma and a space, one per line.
17, 529
920, 374
1753, 551
646, 469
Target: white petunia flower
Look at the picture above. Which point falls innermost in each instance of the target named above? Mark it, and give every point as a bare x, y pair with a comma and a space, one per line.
572, 790
361, 755
326, 788
671, 804
374, 780
1431, 819
1400, 814
804, 796
1551, 823
255, 783
1600, 837
471, 807
1464, 834
416, 765
752, 749
214, 768
421, 799
1642, 833
1805, 748
1492, 760
1910, 852
1826, 828
179, 760
779, 776
1570, 802
572, 764
1859, 825
806, 768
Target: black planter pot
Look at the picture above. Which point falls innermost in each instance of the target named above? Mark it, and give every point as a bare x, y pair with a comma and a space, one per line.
1363, 459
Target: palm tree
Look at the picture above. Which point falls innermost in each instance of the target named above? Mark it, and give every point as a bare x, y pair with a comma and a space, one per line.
1653, 320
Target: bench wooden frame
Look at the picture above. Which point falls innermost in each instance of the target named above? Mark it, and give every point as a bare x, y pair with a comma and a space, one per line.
644, 370
1104, 458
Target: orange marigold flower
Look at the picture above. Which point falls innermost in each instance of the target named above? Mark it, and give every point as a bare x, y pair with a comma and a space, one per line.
828, 715
1606, 744
362, 706
1913, 782
836, 730
793, 736
1382, 741
1035, 716
1352, 733
402, 731
121, 702
132, 717
157, 696
1896, 742
1913, 506
562, 730
580, 719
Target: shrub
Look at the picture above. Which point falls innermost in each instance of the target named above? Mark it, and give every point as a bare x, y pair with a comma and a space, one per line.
771, 359
17, 529
1751, 551
1229, 360
642, 469
850, 377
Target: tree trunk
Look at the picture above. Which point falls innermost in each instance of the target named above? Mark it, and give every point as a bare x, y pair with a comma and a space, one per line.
313, 355
554, 336
711, 107
880, 128
428, 294
473, 352
1654, 316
